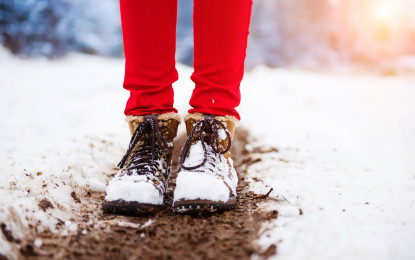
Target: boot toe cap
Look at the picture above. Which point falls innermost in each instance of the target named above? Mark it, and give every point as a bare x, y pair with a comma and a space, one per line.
141, 192
192, 186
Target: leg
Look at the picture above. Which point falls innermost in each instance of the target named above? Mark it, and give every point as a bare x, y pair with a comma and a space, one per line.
221, 29
149, 33
207, 180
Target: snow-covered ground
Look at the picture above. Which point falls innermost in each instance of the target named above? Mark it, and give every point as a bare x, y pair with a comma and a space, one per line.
346, 159
346, 152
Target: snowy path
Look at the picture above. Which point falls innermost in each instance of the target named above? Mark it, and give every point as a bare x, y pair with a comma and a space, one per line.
346, 152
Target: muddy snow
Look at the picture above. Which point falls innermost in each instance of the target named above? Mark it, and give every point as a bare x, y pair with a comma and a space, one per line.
337, 152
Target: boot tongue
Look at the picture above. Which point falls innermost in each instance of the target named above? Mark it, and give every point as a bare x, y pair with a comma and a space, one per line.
207, 134
151, 116
149, 133
206, 130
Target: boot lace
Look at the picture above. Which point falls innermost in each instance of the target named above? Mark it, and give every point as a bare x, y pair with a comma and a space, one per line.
207, 130
143, 159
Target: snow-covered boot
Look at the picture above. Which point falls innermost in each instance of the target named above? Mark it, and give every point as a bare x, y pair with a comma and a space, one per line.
206, 179
140, 184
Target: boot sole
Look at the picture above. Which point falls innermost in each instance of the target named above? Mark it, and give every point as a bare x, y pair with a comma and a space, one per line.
197, 206
130, 208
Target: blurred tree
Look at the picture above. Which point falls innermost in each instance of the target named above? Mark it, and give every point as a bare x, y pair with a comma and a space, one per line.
307, 33
54, 27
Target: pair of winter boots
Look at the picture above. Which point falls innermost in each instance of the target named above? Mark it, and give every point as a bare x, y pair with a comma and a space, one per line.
206, 180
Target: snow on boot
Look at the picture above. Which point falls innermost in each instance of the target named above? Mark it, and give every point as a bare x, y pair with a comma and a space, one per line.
206, 179
140, 184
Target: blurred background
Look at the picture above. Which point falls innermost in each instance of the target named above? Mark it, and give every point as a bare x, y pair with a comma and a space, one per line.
375, 35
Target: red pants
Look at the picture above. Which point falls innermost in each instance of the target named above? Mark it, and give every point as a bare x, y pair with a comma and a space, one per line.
220, 39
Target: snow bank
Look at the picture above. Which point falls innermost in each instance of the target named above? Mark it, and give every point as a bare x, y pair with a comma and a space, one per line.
343, 180
62, 134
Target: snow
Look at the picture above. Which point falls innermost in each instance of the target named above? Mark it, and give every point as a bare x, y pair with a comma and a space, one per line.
148, 223
121, 223
346, 159
222, 134
346, 152
128, 185
192, 186
58, 136
133, 188
73, 227
211, 184
38, 242
196, 155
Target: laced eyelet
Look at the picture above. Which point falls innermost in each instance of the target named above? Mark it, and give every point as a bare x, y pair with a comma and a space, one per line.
147, 145
210, 137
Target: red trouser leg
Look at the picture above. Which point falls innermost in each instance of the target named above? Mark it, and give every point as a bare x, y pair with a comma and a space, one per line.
221, 30
149, 33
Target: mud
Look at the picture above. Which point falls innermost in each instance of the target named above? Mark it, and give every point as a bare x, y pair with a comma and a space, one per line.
44, 204
165, 235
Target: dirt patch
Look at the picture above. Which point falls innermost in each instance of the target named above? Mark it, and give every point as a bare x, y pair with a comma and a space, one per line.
44, 204
165, 235
7, 232
75, 197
